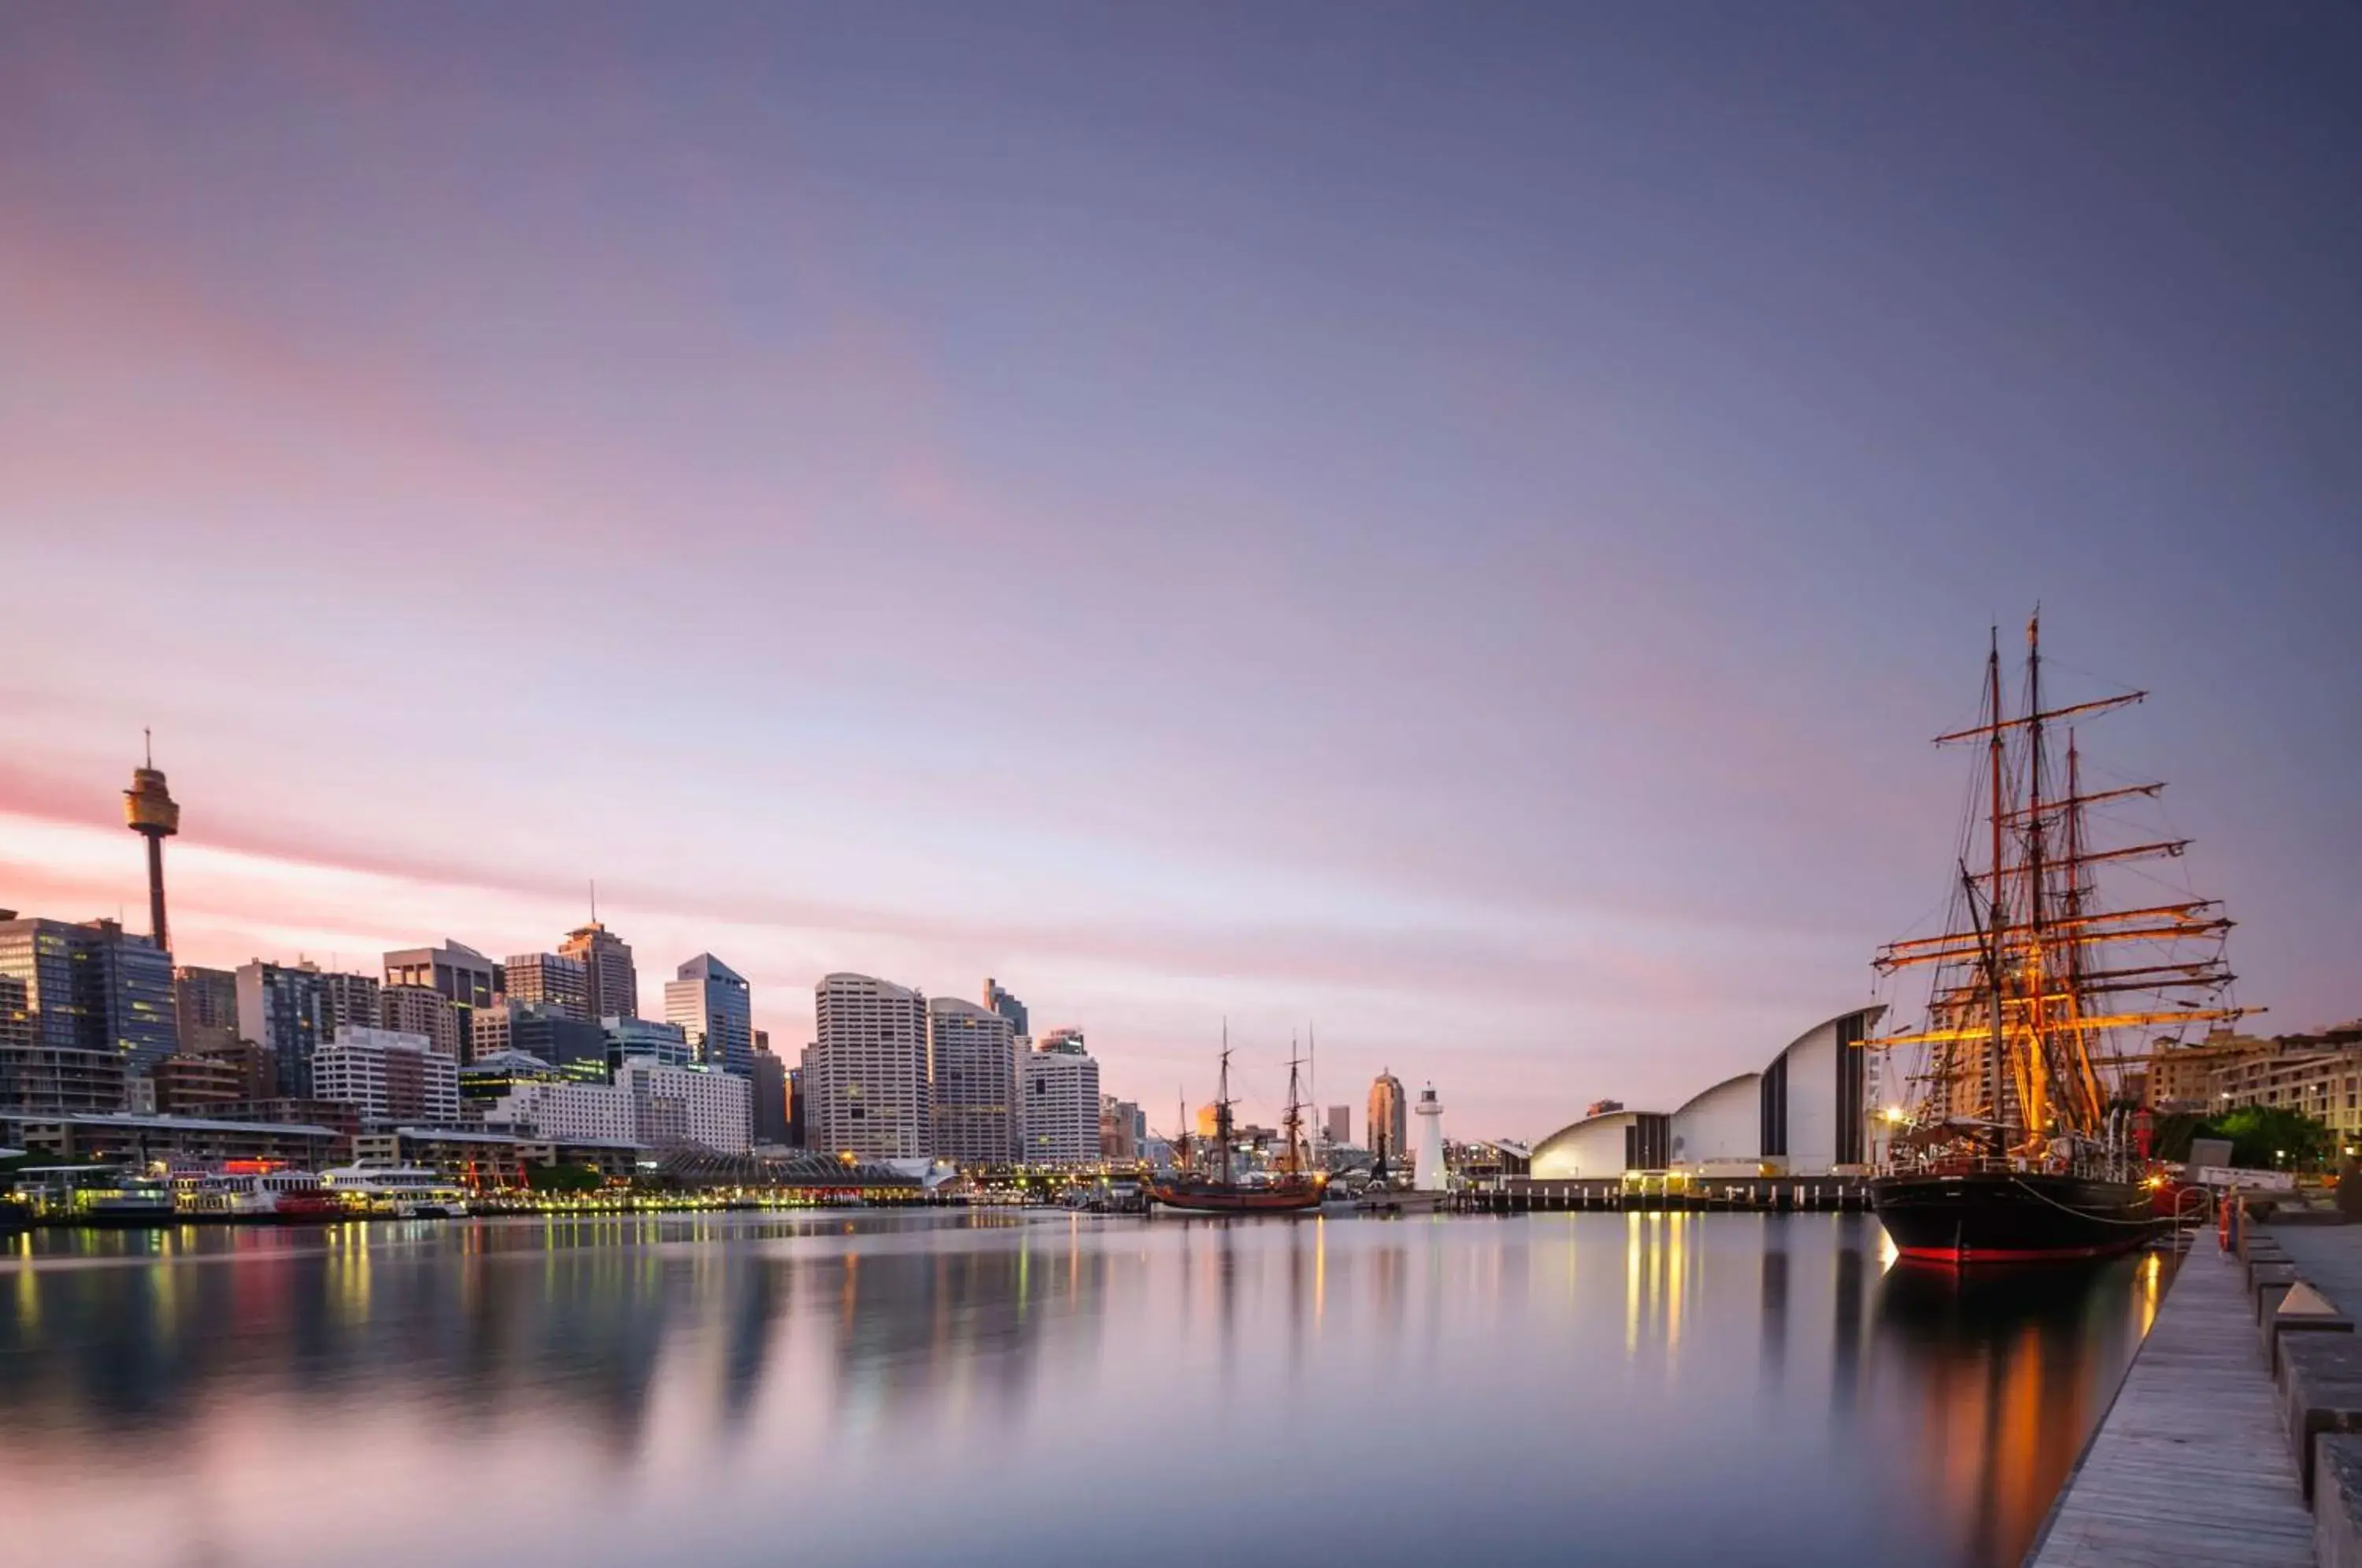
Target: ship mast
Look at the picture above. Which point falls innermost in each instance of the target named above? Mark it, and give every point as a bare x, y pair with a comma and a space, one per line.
1222, 1107
2026, 979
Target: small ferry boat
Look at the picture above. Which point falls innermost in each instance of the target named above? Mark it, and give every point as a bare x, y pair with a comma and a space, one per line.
261, 1191
405, 1192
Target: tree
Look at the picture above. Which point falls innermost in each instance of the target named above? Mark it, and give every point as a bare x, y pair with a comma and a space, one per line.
2272, 1137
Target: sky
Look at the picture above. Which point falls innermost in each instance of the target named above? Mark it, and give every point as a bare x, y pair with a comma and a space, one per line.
1447, 528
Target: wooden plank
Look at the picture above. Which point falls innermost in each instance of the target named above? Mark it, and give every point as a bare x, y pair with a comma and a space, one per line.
2189, 1466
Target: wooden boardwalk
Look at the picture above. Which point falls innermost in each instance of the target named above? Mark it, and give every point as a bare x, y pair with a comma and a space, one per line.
2189, 1466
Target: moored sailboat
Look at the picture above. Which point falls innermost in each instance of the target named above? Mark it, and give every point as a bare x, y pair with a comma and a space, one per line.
2019, 1144
1294, 1185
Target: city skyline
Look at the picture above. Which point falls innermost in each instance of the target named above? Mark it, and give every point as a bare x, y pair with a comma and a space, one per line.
1508, 641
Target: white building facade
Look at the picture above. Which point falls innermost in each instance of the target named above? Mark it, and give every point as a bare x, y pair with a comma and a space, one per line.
388, 1077
1061, 1115
564, 1113
676, 1106
973, 1082
865, 1075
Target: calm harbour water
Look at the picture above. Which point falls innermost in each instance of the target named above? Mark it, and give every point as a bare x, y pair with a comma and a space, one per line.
867, 1389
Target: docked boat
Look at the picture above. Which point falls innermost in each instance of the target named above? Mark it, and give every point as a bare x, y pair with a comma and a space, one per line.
1291, 1188
261, 1192
2018, 1142
404, 1192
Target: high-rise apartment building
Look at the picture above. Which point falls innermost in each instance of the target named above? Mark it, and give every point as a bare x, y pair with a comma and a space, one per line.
676, 1105
1119, 1129
414, 1010
204, 1008
47, 1079
550, 979
352, 1001
1389, 1121
284, 1009
1338, 1129
864, 1078
973, 1083
391, 1078
1060, 1113
712, 1005
564, 1113
608, 980
1008, 1007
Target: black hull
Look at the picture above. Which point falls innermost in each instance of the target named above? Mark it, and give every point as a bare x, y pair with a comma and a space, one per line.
2011, 1217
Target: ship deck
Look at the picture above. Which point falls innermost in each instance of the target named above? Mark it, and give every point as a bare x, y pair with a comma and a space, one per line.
2188, 1465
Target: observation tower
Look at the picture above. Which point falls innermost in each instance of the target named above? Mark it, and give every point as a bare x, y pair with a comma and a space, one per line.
150, 810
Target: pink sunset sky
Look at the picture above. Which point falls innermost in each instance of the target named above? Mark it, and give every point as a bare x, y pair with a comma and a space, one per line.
1459, 541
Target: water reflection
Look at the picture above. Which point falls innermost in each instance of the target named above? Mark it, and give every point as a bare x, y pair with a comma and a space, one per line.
1753, 1389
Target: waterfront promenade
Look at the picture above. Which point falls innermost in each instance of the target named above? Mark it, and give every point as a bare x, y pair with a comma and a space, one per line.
2190, 1465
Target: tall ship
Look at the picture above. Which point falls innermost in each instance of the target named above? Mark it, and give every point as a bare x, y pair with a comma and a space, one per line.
2017, 1142
1291, 1187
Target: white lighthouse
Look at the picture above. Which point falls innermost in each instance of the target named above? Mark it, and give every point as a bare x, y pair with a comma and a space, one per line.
1428, 1174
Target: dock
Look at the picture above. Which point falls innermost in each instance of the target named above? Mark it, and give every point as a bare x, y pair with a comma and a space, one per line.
2190, 1465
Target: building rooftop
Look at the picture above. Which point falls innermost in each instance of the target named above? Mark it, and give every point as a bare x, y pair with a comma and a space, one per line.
160, 1123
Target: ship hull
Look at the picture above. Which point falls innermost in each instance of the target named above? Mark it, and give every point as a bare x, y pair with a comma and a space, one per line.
2011, 1217
1211, 1198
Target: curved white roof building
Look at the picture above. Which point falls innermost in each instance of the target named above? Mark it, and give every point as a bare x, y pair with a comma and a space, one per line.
1805, 1113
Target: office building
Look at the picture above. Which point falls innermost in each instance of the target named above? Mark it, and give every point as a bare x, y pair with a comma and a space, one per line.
712, 1005
767, 1085
1119, 1129
1061, 1114
204, 1008
92, 986
550, 979
973, 1083
1008, 1007
453, 971
1389, 1122
673, 1107
1336, 1131
414, 1010
284, 1008
391, 1078
663, 1043
608, 980
36, 1077
574, 1047
865, 1077
796, 1109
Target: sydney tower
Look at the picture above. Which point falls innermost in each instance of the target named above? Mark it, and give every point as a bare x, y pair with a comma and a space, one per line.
155, 816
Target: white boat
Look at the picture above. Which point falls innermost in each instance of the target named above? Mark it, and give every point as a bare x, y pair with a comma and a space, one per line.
260, 1194
406, 1192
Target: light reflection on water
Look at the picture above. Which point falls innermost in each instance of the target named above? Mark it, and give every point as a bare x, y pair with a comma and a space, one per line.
740, 1390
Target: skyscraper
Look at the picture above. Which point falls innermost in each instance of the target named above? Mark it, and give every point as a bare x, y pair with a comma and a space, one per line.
284, 1009
972, 1078
204, 1008
1389, 1122
550, 979
1062, 1102
769, 1085
608, 980
714, 1008
1339, 1130
1008, 1007
150, 810
865, 1077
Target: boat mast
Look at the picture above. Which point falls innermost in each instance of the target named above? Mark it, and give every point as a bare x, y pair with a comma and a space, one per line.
1222, 1105
1994, 1063
1292, 1125
2036, 976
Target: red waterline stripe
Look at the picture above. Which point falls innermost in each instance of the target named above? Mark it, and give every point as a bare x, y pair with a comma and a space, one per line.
2010, 1254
